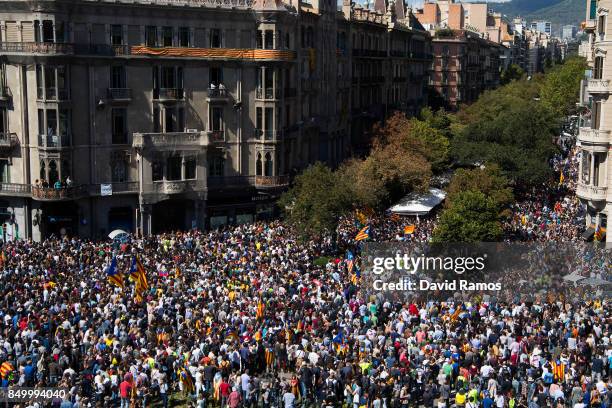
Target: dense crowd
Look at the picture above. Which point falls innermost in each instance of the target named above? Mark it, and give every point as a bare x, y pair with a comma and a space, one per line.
250, 316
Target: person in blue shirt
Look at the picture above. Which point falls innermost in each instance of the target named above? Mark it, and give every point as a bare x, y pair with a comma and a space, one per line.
487, 402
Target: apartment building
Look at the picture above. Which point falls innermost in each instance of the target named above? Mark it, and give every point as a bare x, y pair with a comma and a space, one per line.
595, 174
157, 115
465, 65
542, 26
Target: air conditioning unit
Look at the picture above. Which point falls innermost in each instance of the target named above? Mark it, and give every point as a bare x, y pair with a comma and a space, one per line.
191, 130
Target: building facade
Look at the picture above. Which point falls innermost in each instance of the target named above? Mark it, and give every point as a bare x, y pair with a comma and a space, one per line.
542, 26
465, 65
594, 138
153, 116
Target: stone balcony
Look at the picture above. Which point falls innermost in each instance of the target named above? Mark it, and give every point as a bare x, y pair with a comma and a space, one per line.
598, 86
170, 140
594, 136
178, 186
591, 193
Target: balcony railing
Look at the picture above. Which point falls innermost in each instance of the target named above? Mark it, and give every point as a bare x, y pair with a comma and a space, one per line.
271, 181
357, 52
15, 189
63, 193
120, 94
218, 93
169, 140
168, 94
216, 136
53, 141
216, 182
177, 186
36, 48
591, 193
268, 135
122, 187
598, 86
267, 93
53, 94
103, 50
590, 135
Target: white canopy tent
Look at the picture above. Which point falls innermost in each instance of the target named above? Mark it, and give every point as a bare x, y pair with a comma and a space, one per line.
419, 203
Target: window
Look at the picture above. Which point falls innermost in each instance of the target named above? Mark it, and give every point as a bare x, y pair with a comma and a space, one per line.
167, 36
156, 120
4, 171
173, 167
190, 168
596, 115
184, 37
215, 76
3, 121
150, 36
268, 164
586, 167
157, 171
118, 76
258, 165
259, 40
216, 118
598, 68
119, 125
601, 26
599, 161
119, 171
116, 34
259, 120
47, 31
215, 38
269, 39
217, 166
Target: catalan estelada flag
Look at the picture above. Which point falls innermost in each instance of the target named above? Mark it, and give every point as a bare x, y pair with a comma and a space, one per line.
186, 379
363, 234
5, 369
138, 275
114, 276
350, 261
409, 229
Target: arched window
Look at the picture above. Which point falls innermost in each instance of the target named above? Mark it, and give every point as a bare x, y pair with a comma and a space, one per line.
268, 164
53, 173
43, 171
258, 165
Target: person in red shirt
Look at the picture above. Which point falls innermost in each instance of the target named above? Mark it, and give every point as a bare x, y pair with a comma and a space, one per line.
234, 399
125, 389
224, 391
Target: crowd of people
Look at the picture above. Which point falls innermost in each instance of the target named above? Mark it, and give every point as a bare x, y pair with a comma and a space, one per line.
251, 316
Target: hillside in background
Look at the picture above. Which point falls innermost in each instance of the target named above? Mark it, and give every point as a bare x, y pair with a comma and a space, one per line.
558, 12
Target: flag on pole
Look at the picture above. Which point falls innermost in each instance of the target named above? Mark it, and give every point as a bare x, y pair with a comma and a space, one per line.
363, 234
114, 276
138, 275
350, 261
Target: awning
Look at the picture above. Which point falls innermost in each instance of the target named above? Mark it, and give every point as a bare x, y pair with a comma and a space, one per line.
419, 203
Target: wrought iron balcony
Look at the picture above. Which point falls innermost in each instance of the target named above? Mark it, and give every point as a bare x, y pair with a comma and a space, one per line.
596, 136
53, 141
218, 95
120, 94
168, 94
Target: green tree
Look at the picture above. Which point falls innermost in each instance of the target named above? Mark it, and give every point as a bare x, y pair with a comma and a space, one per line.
316, 201
510, 130
471, 217
512, 73
561, 86
437, 145
488, 180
